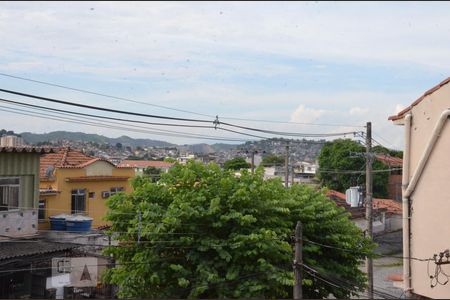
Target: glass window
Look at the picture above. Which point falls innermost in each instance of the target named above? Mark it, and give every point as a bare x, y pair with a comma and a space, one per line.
41, 211
9, 193
115, 190
78, 201
91, 195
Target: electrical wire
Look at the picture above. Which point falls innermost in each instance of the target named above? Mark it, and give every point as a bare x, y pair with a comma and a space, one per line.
67, 120
357, 251
215, 122
39, 107
103, 95
167, 107
103, 108
357, 172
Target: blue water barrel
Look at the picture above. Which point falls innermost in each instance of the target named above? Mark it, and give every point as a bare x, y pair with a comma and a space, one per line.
78, 223
58, 222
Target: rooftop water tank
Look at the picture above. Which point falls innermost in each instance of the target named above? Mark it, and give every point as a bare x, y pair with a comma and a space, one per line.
352, 196
58, 222
78, 223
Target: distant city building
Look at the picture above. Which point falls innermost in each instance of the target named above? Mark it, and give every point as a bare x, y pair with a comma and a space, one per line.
140, 165
184, 159
304, 172
11, 141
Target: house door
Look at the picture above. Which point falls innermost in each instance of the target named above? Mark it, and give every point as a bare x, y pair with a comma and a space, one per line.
79, 201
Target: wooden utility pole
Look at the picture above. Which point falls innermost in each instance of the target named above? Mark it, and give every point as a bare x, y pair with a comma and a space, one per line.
369, 218
298, 262
286, 165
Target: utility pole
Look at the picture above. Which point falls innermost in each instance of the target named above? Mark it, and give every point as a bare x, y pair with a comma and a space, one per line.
139, 226
298, 262
369, 218
286, 165
253, 161
292, 175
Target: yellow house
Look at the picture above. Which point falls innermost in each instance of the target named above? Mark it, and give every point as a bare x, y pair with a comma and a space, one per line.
74, 183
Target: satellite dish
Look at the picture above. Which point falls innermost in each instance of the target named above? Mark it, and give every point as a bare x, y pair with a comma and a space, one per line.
49, 171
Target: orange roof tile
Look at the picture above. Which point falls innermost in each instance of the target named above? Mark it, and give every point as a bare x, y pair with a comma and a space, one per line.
390, 205
66, 158
401, 114
145, 164
390, 160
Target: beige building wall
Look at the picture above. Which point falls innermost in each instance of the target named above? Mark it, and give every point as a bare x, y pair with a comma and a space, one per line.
430, 202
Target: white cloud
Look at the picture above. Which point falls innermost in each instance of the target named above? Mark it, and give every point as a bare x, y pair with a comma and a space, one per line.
358, 111
306, 115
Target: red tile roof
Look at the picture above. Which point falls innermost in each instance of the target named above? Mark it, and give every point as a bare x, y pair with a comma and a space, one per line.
393, 207
145, 164
401, 114
66, 158
390, 205
390, 160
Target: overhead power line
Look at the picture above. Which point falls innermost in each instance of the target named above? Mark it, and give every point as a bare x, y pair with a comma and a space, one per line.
103, 95
102, 108
98, 124
216, 122
170, 108
39, 107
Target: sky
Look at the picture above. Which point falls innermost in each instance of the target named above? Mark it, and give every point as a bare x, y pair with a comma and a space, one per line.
337, 64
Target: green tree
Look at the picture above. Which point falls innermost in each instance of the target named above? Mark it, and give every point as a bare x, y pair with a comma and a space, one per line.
153, 173
236, 163
170, 160
206, 233
335, 162
273, 160
119, 146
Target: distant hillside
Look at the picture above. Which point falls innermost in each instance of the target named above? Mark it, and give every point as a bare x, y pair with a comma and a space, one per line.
33, 138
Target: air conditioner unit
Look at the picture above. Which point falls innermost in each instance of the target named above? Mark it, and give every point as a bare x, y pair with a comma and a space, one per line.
105, 194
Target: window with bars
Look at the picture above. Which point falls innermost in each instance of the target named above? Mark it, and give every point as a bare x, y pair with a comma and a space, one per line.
9, 193
41, 211
78, 201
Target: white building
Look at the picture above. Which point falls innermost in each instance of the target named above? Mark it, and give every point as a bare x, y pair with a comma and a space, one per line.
11, 141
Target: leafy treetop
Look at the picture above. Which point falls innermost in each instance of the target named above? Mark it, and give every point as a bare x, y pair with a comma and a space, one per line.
206, 233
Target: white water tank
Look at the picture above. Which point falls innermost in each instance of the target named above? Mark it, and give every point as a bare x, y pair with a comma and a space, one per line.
352, 196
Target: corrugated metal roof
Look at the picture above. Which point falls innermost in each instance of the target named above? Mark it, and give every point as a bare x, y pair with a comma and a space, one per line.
12, 248
27, 149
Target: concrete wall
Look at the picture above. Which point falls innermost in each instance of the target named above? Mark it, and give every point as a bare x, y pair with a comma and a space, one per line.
17, 223
430, 202
430, 220
395, 187
100, 168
